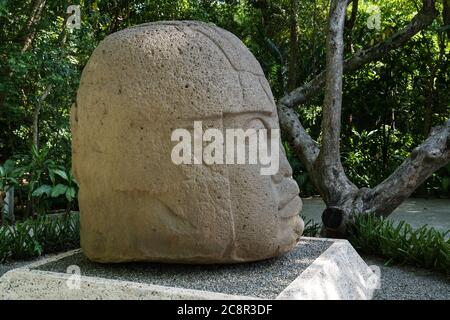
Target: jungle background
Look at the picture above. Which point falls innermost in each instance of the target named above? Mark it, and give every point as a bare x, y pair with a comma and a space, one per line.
389, 106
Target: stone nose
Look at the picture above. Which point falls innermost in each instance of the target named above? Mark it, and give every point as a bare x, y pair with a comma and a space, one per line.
285, 170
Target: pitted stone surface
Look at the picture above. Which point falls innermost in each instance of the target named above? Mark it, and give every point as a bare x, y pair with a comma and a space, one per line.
136, 205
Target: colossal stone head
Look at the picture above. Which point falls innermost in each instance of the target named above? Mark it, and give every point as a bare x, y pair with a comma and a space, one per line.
136, 204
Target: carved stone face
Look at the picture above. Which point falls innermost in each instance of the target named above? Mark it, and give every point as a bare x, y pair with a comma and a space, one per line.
137, 205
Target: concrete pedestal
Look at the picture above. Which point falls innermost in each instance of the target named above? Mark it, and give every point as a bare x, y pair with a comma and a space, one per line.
315, 269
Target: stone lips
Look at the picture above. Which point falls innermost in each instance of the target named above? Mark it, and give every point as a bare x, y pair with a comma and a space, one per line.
136, 205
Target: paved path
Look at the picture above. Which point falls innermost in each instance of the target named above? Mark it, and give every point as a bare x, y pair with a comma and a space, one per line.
417, 212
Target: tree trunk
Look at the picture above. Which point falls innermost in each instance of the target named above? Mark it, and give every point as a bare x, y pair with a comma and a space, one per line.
35, 126
28, 33
350, 23
429, 90
429, 97
293, 46
342, 198
37, 110
8, 202
62, 38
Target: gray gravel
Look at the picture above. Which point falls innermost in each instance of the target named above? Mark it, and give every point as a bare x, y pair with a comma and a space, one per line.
5, 267
264, 279
397, 282
409, 283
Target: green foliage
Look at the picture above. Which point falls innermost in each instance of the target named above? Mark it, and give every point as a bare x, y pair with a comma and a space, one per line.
19, 242
38, 166
41, 182
9, 178
57, 233
397, 242
400, 243
388, 106
67, 187
9, 174
311, 229
367, 162
33, 237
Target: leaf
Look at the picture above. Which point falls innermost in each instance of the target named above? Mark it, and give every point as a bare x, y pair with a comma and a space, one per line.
41, 190
37, 249
9, 166
371, 132
58, 190
61, 173
356, 133
274, 50
70, 194
444, 28
51, 174
13, 181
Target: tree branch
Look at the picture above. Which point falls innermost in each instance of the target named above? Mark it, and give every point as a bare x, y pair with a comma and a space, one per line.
36, 112
420, 21
62, 38
324, 165
342, 197
29, 32
331, 121
329, 175
425, 159
350, 23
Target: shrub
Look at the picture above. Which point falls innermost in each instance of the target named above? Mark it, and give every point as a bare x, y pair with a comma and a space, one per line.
400, 243
34, 237
311, 228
